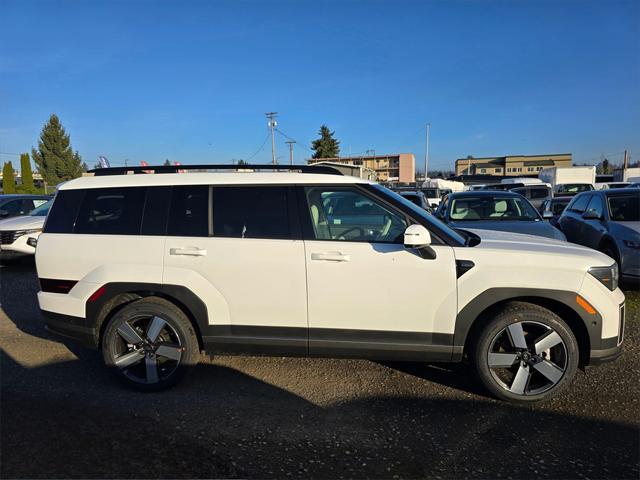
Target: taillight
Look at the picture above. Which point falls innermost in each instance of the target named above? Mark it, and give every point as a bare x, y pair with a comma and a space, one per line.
52, 285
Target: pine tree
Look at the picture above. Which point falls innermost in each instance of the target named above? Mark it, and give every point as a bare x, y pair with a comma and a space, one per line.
54, 157
26, 174
326, 146
8, 179
167, 163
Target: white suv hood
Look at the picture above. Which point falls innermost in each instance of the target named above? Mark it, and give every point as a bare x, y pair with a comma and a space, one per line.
539, 246
28, 222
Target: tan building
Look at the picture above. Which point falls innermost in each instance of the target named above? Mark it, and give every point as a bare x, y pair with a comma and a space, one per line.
399, 167
511, 165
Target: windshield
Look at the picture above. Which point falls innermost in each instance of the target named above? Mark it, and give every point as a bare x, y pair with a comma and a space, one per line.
575, 187
492, 208
42, 210
431, 192
419, 212
413, 197
624, 208
558, 206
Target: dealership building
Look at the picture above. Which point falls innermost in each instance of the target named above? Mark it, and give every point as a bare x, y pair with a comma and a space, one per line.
511, 165
397, 167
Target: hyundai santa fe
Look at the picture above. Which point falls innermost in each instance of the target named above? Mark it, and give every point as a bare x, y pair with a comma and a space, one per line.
152, 269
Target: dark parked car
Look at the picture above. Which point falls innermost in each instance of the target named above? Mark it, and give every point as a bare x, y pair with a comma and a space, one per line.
553, 208
609, 221
416, 197
495, 210
536, 193
13, 205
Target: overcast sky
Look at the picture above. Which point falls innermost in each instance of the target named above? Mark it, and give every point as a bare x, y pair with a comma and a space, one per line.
191, 81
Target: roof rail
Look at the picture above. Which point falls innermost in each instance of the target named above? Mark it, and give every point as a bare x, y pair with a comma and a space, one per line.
176, 168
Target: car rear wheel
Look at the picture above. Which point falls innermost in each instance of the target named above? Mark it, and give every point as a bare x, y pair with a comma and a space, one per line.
526, 354
150, 344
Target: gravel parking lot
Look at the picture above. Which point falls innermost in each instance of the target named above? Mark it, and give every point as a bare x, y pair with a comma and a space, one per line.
63, 415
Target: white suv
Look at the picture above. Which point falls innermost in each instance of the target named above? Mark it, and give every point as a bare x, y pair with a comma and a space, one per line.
154, 268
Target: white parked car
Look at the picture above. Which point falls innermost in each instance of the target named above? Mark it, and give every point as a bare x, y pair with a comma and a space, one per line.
152, 269
16, 232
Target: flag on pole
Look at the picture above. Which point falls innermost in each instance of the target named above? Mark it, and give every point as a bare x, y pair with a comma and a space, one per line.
177, 164
145, 164
103, 162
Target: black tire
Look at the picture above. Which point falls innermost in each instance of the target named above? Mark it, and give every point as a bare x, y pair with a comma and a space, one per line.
146, 333
537, 372
610, 250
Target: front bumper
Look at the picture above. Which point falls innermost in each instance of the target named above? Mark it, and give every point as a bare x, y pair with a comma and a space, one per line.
598, 357
19, 246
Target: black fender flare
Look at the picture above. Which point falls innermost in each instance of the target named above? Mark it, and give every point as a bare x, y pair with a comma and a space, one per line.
96, 312
561, 302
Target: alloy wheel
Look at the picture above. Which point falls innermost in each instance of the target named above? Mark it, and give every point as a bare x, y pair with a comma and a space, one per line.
148, 349
527, 358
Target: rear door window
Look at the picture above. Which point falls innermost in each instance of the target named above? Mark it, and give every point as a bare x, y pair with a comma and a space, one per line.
251, 212
189, 211
111, 211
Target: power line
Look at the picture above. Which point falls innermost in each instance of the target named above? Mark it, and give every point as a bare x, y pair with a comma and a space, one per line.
259, 149
293, 139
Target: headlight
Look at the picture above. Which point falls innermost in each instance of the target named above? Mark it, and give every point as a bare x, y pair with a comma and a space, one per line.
608, 276
631, 243
20, 233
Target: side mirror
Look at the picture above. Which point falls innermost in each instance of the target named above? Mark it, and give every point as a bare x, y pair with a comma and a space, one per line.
4, 213
590, 215
547, 214
418, 237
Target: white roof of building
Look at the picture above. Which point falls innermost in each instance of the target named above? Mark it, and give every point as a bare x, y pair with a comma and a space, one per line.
205, 178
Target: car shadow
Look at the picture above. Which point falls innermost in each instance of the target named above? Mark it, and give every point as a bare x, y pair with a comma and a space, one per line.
63, 420
460, 376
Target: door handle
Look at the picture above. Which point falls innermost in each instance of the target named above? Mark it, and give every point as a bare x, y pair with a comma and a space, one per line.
190, 251
331, 257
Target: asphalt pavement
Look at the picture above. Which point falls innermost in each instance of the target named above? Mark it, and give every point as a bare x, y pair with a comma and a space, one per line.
63, 415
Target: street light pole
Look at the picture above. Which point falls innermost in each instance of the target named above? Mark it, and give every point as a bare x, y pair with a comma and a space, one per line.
426, 153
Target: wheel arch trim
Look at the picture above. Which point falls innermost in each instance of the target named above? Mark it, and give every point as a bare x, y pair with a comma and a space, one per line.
587, 328
116, 296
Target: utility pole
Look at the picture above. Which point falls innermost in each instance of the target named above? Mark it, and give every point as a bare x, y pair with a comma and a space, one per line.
290, 142
272, 125
426, 153
625, 163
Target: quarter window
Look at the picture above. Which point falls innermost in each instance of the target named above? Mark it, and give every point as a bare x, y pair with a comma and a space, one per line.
346, 214
251, 212
111, 211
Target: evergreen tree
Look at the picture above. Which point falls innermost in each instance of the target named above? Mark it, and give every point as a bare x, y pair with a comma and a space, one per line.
167, 163
26, 174
8, 179
54, 157
326, 146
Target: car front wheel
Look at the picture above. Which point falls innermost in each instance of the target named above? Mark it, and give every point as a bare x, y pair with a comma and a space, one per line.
526, 353
150, 344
